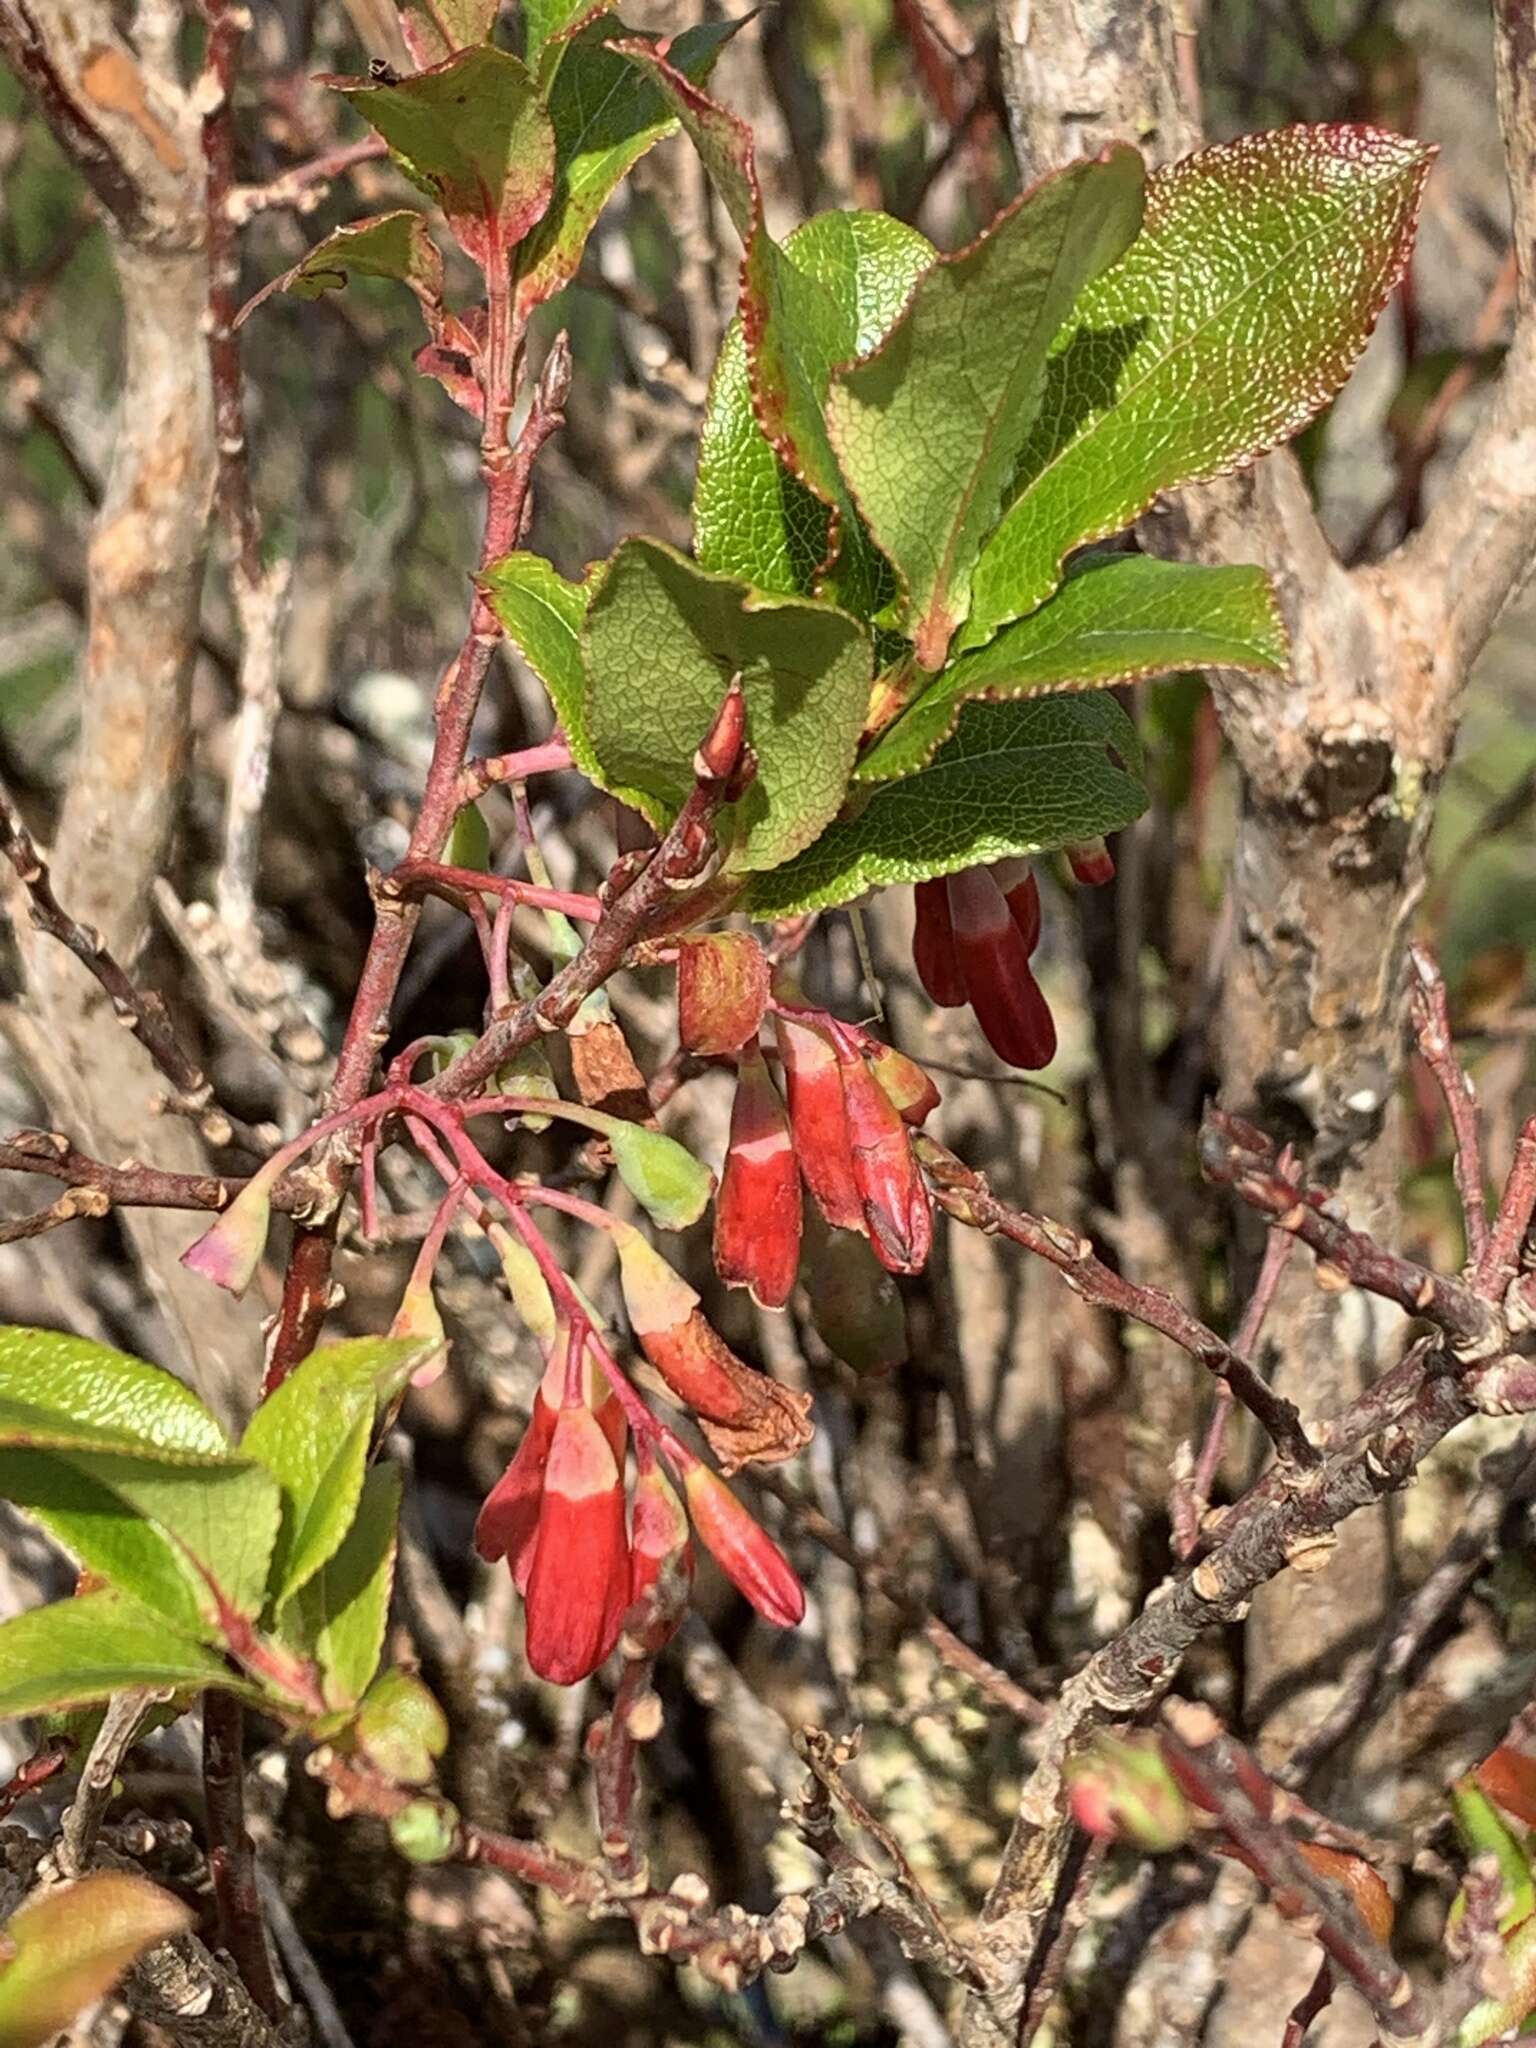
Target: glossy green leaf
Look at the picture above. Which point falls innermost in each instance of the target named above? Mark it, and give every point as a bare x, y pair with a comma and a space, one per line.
794, 330
661, 643
928, 428
1113, 621
312, 1434
338, 1616
752, 517
543, 613
81, 1651
391, 245
1237, 313
1015, 779
67, 1947
472, 135
606, 114
435, 30
79, 1382
666, 1180
545, 25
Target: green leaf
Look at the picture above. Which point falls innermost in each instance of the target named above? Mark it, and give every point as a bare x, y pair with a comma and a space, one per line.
393, 245
605, 115
1112, 621
666, 1180
435, 29
1015, 779
338, 1617
752, 517
545, 25
400, 1728
543, 614
472, 135
662, 641
469, 842
312, 1434
68, 1946
928, 428
1237, 313
78, 1652
792, 324
79, 1382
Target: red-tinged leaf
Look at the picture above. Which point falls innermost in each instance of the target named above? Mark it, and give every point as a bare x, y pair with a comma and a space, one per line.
436, 30
722, 991
933, 947
813, 1087
510, 1515
67, 1947
744, 1551
890, 1182
578, 1582
1509, 1779
758, 1208
391, 245
470, 132
1010, 1006
452, 359
1233, 318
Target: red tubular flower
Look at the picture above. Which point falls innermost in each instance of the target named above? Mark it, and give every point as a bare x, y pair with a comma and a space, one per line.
1021, 893
510, 1515
813, 1086
746, 1553
658, 1531
933, 947
994, 958
890, 1183
757, 1211
579, 1578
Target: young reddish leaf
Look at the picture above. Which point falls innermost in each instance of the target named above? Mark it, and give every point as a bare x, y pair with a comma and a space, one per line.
813, 1087
1237, 313
1508, 1776
744, 1551
1015, 779
1365, 1886
722, 991
1112, 621
394, 245
472, 134
606, 114
578, 1580
758, 1208
67, 1947
928, 429
660, 640
436, 30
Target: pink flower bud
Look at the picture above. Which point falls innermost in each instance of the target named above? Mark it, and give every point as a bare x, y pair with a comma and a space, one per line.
578, 1581
933, 947
1124, 1791
1092, 863
722, 991
510, 1514
908, 1086
417, 1317
813, 1087
890, 1182
229, 1251
658, 1532
757, 1211
746, 1553
1009, 1006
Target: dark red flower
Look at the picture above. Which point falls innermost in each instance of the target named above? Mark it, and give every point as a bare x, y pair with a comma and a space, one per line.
579, 1576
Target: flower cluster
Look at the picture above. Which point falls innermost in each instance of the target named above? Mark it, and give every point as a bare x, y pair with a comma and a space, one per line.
975, 935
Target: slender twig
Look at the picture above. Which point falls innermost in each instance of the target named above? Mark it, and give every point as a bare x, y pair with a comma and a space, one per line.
125, 1715
413, 875
43, 1764
634, 1719
142, 1012
231, 1859
1501, 1256
303, 186
966, 1196
487, 773
1432, 1027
